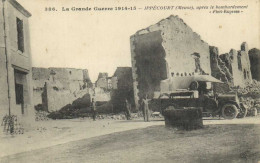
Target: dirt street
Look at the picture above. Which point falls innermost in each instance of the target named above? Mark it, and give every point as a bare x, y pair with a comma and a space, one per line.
220, 141
43, 134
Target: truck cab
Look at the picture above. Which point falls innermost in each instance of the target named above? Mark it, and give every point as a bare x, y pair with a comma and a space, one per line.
198, 91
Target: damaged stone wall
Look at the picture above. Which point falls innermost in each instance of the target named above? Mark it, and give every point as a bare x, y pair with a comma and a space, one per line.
102, 88
218, 67
68, 83
232, 68
101, 94
102, 81
163, 50
245, 64
70, 78
54, 98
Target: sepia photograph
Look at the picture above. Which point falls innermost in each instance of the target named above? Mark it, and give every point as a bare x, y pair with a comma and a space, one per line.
130, 81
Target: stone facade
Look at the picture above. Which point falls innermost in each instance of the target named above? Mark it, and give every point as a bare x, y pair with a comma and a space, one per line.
15, 61
168, 48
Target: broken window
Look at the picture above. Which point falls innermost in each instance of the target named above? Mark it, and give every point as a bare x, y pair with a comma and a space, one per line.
20, 34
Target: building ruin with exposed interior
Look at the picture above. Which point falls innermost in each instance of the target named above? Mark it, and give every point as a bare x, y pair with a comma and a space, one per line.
54, 88
170, 48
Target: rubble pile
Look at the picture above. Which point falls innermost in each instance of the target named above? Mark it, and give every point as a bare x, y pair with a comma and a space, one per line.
115, 117
251, 90
250, 96
71, 111
41, 116
119, 116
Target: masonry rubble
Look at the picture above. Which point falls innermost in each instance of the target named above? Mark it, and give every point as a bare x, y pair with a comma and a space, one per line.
109, 100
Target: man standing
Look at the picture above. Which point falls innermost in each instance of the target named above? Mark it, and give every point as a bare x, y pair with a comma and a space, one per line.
146, 109
93, 109
127, 110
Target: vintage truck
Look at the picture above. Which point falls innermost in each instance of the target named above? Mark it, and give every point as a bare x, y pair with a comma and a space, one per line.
198, 91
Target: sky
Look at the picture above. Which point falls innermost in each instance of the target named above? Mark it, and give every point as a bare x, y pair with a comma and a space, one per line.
100, 40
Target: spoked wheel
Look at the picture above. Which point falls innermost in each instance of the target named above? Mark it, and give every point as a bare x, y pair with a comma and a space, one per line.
229, 111
243, 111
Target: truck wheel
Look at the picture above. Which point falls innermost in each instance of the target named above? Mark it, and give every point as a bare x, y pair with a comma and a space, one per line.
243, 112
229, 111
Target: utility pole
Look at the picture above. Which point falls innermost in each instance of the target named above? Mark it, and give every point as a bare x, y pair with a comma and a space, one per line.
7, 61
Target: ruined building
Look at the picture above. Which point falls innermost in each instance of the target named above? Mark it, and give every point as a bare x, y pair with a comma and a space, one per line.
122, 89
102, 81
15, 58
54, 88
233, 67
254, 56
167, 48
170, 48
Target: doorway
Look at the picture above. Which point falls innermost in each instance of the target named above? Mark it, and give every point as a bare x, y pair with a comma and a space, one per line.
21, 89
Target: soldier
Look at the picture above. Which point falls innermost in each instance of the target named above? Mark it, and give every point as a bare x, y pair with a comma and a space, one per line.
93, 109
146, 109
127, 110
